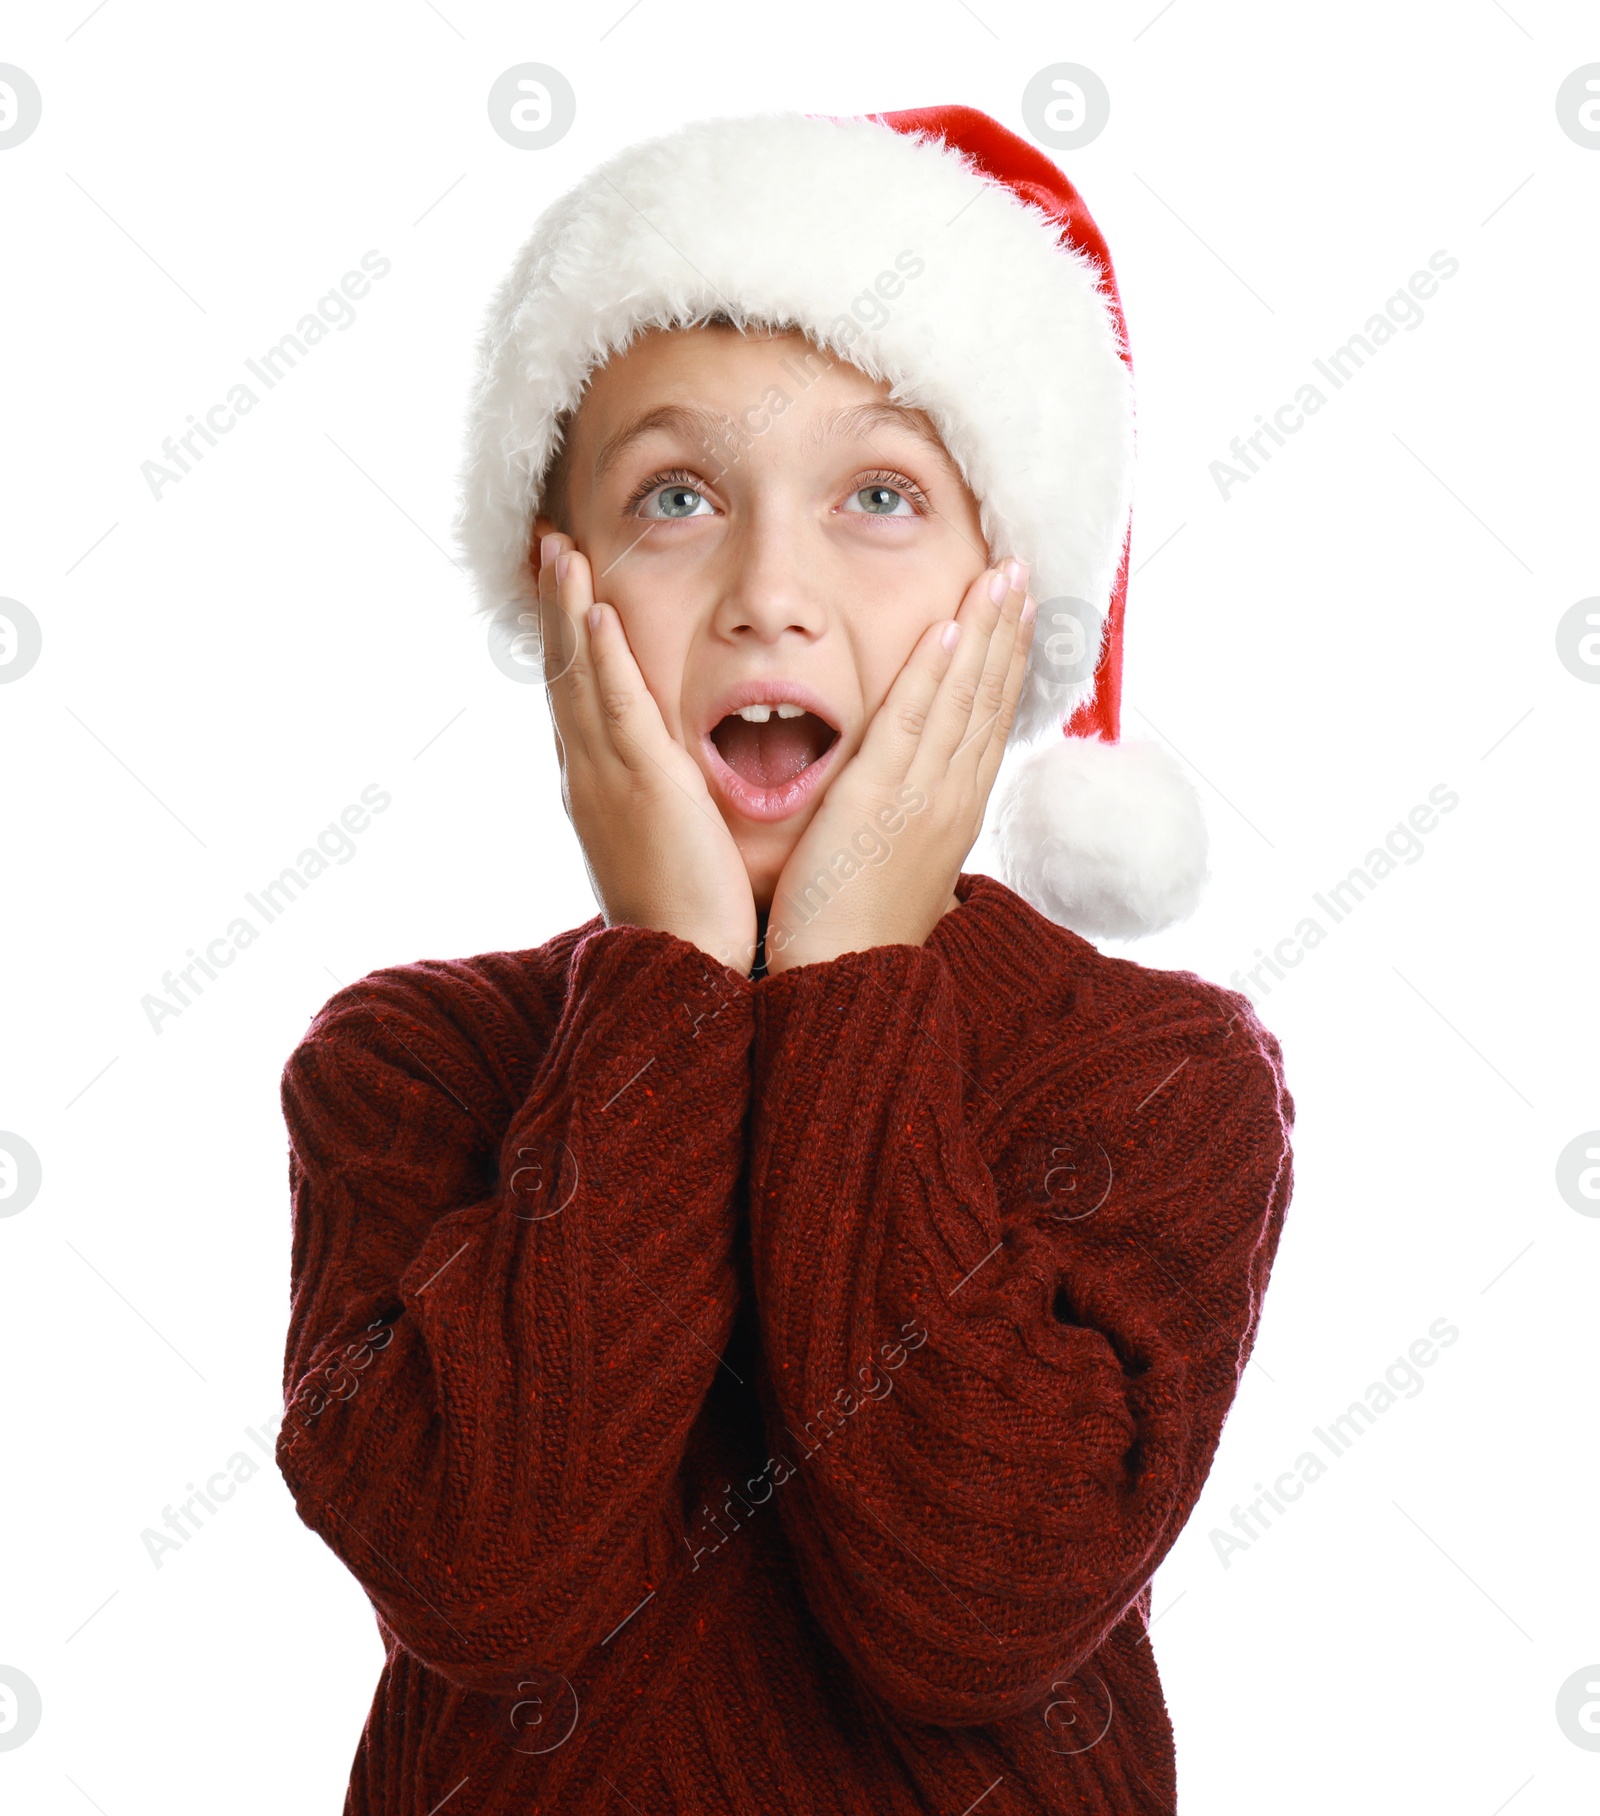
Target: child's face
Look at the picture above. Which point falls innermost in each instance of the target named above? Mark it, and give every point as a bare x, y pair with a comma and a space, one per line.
770, 530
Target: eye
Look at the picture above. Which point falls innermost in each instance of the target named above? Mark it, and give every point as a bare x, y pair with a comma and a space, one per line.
886, 495
669, 498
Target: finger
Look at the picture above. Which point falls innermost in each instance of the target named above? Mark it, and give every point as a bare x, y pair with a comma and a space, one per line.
989, 705
626, 709
989, 763
573, 689
557, 641
951, 714
631, 715
895, 734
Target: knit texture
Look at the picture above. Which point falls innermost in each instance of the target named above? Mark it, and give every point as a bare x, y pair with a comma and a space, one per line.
776, 1396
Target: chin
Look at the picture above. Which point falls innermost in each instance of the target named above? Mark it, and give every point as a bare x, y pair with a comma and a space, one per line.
764, 867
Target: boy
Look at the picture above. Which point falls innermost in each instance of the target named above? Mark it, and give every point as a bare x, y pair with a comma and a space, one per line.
755, 1349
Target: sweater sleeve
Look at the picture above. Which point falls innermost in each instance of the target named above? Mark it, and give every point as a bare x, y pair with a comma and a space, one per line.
1001, 1336
502, 1331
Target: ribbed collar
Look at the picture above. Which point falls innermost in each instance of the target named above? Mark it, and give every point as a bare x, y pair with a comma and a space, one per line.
994, 942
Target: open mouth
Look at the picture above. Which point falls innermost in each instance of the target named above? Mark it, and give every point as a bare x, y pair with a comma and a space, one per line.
769, 756
770, 745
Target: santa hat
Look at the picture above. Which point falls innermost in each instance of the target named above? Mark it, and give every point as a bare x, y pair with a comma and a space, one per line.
936, 251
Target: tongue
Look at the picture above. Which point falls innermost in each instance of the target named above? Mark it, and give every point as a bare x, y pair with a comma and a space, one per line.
769, 755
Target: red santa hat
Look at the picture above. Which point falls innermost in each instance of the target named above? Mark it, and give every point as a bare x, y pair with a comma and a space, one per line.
942, 254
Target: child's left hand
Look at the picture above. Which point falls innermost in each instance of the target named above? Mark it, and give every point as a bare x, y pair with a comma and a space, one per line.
878, 862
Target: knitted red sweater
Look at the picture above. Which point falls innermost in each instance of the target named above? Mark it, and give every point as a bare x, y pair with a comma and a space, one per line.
754, 1397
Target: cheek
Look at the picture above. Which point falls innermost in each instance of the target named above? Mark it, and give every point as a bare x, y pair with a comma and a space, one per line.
660, 641
894, 617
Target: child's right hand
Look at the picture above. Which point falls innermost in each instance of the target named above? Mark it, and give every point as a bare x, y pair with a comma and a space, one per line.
658, 852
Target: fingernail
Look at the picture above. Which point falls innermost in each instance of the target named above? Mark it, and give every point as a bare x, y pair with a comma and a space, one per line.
1030, 609
593, 617
999, 586
547, 546
561, 563
1019, 575
950, 635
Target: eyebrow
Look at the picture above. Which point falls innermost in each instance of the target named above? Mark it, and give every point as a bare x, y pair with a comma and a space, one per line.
714, 429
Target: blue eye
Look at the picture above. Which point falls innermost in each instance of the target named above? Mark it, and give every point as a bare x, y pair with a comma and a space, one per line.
880, 500
675, 501
886, 495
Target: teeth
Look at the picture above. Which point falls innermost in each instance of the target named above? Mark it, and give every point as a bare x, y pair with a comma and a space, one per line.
759, 715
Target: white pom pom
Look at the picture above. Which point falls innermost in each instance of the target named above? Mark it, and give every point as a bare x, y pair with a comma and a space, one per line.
1107, 839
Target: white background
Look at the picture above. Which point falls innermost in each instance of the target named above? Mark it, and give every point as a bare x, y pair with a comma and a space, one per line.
224, 670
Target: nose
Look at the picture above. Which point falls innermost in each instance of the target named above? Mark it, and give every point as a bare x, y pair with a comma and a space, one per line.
770, 590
